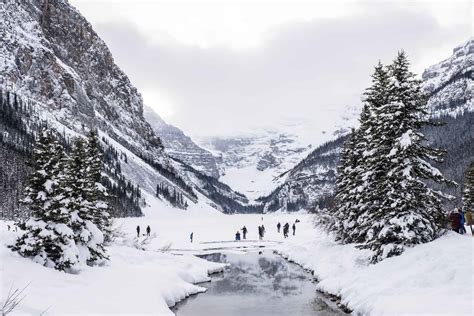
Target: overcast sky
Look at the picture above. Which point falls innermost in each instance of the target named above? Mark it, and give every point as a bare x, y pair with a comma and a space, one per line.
222, 67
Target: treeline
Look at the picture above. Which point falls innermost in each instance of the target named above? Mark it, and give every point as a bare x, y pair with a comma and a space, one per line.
170, 175
19, 123
171, 195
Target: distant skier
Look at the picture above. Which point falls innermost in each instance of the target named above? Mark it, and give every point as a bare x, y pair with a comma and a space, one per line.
294, 228
138, 231
191, 236
148, 230
237, 235
278, 227
244, 232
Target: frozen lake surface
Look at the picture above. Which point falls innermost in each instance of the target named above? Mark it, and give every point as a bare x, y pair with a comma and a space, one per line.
257, 284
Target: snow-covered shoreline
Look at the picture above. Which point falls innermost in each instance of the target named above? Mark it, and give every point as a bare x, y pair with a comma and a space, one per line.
430, 279
132, 282
434, 278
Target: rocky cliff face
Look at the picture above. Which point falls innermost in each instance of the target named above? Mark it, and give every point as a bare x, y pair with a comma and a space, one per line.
51, 54
449, 83
52, 58
182, 147
449, 86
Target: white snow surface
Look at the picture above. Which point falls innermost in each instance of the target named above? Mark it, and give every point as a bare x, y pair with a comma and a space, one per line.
435, 278
430, 279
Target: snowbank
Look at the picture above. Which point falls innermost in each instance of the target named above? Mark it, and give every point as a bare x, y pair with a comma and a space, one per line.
132, 282
431, 279
434, 278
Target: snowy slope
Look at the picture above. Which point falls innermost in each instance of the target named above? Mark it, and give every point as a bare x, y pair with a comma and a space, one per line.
180, 146
252, 162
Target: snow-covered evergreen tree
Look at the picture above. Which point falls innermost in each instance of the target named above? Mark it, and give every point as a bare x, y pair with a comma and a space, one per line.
345, 183
468, 190
48, 237
89, 238
96, 193
389, 205
362, 150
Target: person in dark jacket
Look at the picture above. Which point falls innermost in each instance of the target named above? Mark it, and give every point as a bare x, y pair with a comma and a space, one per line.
455, 219
260, 232
244, 232
286, 228
294, 228
191, 236
278, 227
462, 229
237, 235
263, 231
148, 230
138, 231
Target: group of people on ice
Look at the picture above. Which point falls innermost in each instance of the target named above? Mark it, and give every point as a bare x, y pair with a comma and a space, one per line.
261, 231
148, 231
459, 219
286, 228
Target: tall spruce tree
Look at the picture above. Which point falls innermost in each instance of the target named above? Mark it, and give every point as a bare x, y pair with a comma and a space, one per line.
97, 196
345, 183
468, 190
48, 237
407, 211
88, 236
389, 205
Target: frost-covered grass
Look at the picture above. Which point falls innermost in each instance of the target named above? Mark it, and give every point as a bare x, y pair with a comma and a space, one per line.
434, 278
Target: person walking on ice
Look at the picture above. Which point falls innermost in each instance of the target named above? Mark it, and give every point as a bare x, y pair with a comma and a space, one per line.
278, 227
294, 228
237, 235
244, 232
286, 228
138, 231
191, 236
148, 231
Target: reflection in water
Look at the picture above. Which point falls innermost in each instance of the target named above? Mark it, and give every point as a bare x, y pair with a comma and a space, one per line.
257, 284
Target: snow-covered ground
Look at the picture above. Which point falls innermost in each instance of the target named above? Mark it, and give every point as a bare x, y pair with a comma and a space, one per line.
434, 278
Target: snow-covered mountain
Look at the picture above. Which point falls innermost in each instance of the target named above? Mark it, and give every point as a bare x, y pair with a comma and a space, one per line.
449, 83
56, 65
252, 162
182, 147
449, 87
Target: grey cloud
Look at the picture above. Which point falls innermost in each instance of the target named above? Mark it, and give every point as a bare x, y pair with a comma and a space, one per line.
301, 70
